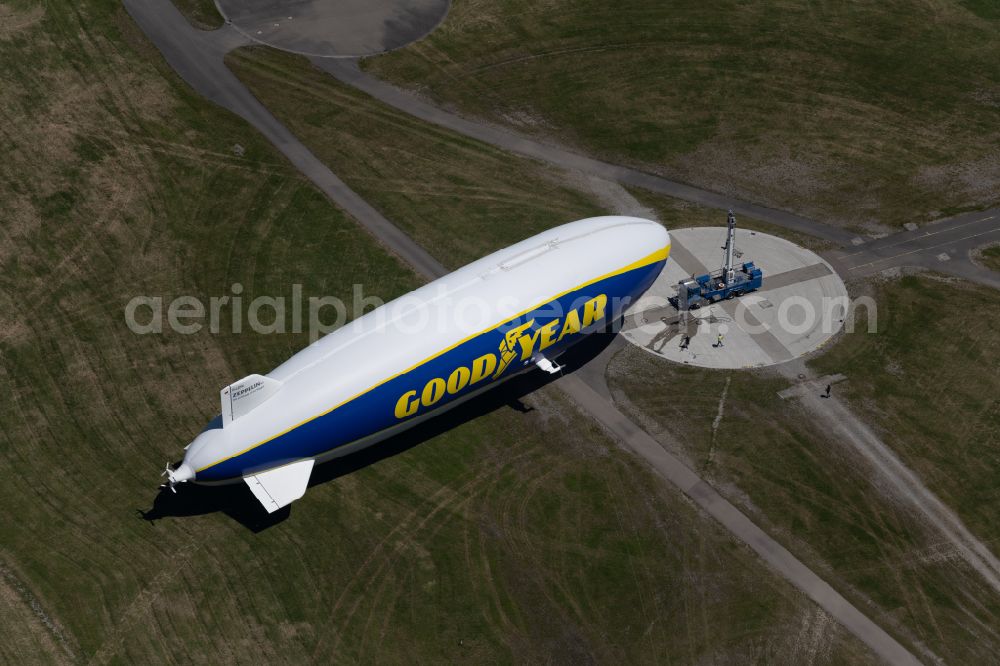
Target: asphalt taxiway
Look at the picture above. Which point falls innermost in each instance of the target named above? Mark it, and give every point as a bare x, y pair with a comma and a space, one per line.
944, 246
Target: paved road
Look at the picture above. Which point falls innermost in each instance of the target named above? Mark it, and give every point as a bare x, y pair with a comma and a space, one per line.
348, 72
345, 28
942, 246
197, 57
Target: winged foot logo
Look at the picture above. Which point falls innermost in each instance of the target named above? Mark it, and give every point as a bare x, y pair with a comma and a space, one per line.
521, 342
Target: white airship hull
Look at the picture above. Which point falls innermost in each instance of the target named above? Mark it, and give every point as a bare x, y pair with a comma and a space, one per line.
430, 350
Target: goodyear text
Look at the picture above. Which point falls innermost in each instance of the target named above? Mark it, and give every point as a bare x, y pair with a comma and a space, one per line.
522, 343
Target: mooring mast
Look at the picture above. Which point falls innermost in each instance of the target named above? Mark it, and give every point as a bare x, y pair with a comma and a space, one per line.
722, 284
728, 271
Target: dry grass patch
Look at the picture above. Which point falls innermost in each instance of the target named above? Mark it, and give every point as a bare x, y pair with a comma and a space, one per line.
15, 20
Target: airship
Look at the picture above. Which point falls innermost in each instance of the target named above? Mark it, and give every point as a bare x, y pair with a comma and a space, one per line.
513, 311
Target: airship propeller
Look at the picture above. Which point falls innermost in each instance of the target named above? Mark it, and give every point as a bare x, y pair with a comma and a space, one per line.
172, 480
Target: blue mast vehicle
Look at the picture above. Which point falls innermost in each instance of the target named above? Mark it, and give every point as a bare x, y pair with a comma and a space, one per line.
727, 283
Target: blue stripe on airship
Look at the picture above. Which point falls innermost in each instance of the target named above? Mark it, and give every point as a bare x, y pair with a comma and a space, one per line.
374, 410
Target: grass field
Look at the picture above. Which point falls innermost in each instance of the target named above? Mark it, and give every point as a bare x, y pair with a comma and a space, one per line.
931, 393
515, 537
201, 13
989, 257
857, 113
929, 381
677, 214
457, 197
450, 193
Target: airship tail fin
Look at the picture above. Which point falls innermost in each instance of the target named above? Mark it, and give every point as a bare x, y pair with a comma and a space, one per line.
280, 487
246, 395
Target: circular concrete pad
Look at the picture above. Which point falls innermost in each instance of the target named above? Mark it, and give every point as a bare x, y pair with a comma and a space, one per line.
333, 28
801, 305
